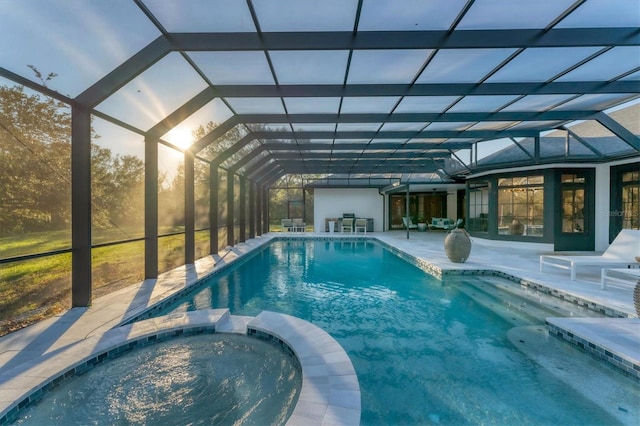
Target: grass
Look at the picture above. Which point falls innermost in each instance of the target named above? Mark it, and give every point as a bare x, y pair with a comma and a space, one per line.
34, 289
35, 242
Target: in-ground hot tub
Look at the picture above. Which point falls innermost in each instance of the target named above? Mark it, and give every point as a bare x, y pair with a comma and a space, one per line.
272, 368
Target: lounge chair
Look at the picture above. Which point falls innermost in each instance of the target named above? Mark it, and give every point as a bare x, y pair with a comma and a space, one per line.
620, 253
361, 224
411, 225
286, 225
620, 276
347, 224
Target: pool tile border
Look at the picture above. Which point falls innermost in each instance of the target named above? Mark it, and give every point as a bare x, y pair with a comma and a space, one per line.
330, 392
568, 330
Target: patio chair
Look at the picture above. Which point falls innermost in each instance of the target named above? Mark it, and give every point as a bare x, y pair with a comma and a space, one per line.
286, 225
453, 226
298, 225
361, 224
620, 253
409, 225
347, 224
440, 223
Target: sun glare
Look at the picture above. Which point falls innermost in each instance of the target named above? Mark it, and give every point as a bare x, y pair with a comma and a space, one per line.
180, 137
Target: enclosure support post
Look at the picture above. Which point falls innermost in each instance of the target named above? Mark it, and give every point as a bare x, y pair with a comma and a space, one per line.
189, 209
80, 207
258, 209
252, 209
230, 209
243, 210
213, 208
150, 208
407, 210
265, 209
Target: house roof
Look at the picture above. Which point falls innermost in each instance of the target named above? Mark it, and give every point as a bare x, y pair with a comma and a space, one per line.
347, 87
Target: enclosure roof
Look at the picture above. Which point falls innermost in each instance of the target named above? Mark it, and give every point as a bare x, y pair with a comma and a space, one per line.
341, 86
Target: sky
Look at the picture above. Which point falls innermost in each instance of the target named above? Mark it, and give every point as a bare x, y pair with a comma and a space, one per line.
87, 39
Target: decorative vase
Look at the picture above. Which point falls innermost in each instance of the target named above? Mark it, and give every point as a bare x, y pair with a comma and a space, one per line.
422, 227
457, 245
516, 227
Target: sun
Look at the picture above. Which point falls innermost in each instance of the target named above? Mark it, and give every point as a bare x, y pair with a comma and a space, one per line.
180, 137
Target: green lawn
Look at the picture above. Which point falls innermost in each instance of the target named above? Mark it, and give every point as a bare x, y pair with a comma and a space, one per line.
34, 289
35, 242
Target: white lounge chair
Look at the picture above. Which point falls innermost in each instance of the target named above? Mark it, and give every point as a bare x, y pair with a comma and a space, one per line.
620, 276
361, 224
620, 253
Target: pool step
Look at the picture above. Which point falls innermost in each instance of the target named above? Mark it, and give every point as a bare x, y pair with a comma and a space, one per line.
539, 305
516, 310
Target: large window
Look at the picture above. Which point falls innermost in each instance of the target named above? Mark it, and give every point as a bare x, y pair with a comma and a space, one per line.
423, 207
624, 207
573, 192
478, 220
521, 205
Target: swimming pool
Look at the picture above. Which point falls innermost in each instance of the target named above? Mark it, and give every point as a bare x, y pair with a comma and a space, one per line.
425, 351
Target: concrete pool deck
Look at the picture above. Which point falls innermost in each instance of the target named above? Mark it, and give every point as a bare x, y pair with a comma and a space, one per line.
620, 336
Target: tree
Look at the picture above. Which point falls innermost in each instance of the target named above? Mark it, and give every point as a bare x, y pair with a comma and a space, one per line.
117, 189
35, 172
35, 157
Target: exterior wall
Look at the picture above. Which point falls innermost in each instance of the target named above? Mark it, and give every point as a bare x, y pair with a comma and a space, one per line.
333, 202
602, 194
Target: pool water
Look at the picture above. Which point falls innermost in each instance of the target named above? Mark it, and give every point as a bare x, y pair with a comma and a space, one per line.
201, 379
426, 352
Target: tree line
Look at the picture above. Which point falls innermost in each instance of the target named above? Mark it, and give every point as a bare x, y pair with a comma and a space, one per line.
35, 172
